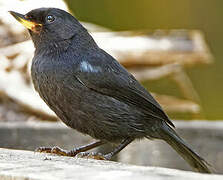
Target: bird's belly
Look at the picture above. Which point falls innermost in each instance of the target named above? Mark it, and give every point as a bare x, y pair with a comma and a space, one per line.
85, 110
89, 112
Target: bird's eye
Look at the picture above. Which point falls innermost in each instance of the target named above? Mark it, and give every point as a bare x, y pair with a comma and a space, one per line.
50, 18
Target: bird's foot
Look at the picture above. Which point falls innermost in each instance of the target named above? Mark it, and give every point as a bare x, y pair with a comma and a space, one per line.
56, 150
61, 152
92, 155
71, 153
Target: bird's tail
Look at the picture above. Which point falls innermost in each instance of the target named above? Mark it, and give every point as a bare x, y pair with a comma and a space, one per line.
195, 161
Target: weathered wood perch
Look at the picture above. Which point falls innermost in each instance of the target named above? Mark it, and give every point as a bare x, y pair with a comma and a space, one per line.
23, 165
155, 49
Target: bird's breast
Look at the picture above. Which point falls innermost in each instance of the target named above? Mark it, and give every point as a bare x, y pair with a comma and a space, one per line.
55, 83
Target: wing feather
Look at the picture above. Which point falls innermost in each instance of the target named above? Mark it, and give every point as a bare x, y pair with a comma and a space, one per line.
113, 80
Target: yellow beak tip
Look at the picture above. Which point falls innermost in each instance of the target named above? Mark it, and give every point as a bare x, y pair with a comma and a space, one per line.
25, 22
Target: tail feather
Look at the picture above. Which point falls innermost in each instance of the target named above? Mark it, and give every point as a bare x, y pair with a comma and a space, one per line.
195, 161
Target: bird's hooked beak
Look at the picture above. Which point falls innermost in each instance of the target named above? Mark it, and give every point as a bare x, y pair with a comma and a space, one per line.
33, 26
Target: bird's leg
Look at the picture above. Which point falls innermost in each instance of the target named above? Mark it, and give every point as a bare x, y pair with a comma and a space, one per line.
121, 146
73, 152
108, 156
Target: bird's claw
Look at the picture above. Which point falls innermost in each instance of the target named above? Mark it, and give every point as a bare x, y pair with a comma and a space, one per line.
53, 150
91, 155
43, 149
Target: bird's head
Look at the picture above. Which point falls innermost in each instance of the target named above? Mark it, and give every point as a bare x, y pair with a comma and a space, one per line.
49, 26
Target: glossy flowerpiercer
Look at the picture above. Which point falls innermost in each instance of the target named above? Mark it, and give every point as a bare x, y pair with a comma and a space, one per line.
91, 92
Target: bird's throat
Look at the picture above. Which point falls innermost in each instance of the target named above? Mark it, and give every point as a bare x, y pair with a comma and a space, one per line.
52, 46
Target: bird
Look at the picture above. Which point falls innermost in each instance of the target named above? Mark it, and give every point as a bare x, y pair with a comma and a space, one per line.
91, 92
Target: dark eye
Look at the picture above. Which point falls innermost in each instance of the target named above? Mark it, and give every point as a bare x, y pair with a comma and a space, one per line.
50, 18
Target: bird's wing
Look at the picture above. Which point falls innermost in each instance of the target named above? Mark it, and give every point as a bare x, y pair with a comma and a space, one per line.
103, 74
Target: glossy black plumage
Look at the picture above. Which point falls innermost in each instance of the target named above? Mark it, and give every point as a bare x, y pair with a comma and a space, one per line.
90, 91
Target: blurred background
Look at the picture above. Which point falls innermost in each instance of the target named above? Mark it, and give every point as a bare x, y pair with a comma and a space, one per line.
174, 48
151, 15
191, 31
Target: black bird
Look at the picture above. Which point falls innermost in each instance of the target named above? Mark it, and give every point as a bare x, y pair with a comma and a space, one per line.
91, 92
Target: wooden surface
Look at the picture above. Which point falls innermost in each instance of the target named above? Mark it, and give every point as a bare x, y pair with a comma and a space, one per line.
131, 49
26, 165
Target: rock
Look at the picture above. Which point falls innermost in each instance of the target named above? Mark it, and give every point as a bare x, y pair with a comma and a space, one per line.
33, 134
21, 165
